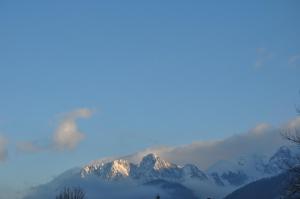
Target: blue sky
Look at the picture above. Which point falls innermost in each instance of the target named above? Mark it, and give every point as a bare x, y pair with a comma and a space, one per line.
154, 73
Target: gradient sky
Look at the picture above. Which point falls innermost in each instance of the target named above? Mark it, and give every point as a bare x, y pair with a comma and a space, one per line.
153, 72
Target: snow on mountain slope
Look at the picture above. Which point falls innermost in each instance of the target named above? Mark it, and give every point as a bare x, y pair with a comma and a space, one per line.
251, 168
154, 162
283, 158
114, 170
120, 178
150, 168
240, 171
236, 172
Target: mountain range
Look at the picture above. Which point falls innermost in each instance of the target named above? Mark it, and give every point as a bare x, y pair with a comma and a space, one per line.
153, 175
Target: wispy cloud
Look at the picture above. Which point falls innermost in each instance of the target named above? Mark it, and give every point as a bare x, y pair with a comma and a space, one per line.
3, 149
68, 136
262, 57
294, 59
30, 147
293, 126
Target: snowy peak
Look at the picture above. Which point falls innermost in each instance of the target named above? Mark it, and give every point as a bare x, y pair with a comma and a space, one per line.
152, 161
120, 167
253, 165
150, 168
282, 153
193, 172
282, 160
232, 173
115, 170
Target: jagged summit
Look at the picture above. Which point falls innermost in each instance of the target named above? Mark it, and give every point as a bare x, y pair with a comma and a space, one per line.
192, 171
151, 157
120, 167
282, 153
282, 159
114, 170
235, 172
152, 161
151, 167
253, 167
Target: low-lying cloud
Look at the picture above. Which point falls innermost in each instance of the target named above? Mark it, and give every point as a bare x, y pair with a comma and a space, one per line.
3, 149
293, 125
94, 188
262, 139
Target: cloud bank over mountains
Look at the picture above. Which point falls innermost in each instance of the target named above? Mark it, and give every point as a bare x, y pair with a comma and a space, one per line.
262, 139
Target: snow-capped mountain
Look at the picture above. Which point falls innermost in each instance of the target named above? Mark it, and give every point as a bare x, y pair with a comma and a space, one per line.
251, 168
150, 168
282, 159
234, 173
238, 171
153, 174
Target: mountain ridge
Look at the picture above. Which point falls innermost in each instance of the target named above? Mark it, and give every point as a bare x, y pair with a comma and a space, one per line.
218, 181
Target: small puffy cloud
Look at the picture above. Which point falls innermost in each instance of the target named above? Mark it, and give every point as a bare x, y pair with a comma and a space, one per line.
263, 55
3, 149
68, 136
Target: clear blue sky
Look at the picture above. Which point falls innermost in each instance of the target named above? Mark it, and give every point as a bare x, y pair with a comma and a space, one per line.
154, 72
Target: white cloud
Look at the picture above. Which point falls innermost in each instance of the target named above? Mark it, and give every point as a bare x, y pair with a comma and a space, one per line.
67, 135
292, 129
3, 149
261, 139
294, 124
260, 128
